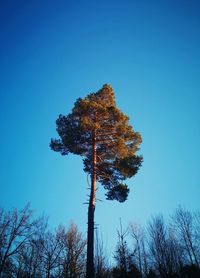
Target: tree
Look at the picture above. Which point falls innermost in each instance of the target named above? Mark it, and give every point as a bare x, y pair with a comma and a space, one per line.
53, 247
100, 259
74, 254
122, 253
140, 255
16, 228
29, 259
99, 132
184, 222
164, 250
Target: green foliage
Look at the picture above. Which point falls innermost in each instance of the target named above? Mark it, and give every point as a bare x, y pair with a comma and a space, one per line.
97, 120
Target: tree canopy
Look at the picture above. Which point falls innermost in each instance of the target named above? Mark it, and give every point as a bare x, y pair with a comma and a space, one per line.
96, 119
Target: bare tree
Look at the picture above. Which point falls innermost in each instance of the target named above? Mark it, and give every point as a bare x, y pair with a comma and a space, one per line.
184, 222
100, 259
73, 259
29, 260
53, 247
16, 228
122, 252
160, 247
123, 256
139, 249
196, 218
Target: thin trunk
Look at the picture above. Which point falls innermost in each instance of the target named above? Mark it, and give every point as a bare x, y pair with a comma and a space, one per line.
192, 250
91, 209
144, 258
48, 272
6, 255
139, 255
2, 265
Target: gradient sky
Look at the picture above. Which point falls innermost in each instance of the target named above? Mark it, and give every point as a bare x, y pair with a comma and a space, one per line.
51, 53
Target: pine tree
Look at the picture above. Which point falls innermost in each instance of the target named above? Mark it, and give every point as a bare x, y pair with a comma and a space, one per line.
99, 132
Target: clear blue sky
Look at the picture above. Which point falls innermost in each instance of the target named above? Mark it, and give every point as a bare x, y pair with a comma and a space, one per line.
51, 53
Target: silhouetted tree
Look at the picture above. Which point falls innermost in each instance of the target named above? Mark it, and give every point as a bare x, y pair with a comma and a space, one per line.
16, 228
125, 264
100, 258
53, 247
72, 263
162, 248
29, 259
160, 252
139, 249
166, 248
122, 254
99, 132
184, 222
196, 236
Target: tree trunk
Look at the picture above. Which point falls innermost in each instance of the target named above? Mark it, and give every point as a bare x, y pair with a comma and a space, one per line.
2, 265
91, 209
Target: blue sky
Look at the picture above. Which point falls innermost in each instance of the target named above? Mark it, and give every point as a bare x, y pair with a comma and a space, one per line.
53, 52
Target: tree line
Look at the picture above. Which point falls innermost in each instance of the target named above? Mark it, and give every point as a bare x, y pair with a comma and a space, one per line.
165, 248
